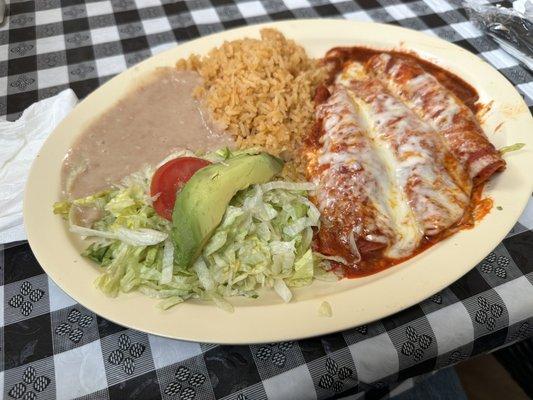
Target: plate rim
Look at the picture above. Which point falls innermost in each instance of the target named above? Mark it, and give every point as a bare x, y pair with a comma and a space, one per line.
232, 337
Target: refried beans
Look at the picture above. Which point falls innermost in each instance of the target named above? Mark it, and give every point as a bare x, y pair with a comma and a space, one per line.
153, 121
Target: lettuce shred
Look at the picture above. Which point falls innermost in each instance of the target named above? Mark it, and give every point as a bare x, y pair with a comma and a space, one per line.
324, 310
511, 148
263, 241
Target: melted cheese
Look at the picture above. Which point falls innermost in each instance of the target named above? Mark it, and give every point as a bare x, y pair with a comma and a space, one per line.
385, 172
344, 146
444, 104
407, 228
441, 109
420, 195
385, 215
415, 154
396, 160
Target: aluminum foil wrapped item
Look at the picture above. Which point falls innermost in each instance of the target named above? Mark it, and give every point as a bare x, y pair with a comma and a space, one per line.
511, 28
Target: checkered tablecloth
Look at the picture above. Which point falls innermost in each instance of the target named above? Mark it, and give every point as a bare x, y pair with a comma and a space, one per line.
52, 347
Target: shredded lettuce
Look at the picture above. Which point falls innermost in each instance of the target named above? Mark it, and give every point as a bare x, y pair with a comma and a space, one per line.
167, 263
62, 208
513, 147
325, 309
263, 241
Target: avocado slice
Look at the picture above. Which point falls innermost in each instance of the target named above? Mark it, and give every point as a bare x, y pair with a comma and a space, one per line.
202, 202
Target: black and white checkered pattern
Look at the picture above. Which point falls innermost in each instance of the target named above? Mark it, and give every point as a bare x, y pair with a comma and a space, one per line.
52, 347
48, 45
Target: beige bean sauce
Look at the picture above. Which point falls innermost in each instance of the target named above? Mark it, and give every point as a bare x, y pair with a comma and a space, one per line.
153, 121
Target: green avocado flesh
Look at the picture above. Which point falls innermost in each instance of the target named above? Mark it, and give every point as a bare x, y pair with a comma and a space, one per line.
202, 202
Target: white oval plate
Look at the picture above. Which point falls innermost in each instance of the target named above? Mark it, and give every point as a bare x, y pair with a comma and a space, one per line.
354, 302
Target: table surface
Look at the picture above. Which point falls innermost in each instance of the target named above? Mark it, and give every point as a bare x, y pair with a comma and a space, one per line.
53, 347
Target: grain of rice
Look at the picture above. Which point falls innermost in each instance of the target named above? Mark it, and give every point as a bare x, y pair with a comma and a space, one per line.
262, 92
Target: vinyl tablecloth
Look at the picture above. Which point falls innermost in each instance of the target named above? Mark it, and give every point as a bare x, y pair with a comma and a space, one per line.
52, 347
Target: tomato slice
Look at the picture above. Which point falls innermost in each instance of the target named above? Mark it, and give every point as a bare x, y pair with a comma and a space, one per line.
169, 179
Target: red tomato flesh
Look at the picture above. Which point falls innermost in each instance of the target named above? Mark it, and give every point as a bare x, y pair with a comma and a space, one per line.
169, 179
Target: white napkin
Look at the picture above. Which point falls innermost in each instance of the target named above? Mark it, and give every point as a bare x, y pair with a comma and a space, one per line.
19, 143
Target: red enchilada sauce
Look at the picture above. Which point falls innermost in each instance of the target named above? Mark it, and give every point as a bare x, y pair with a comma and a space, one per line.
336, 58
372, 260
